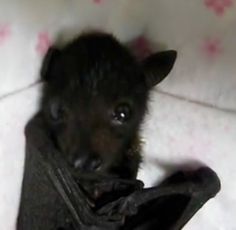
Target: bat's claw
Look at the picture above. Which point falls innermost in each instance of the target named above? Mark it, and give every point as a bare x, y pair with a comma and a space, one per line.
129, 208
111, 208
121, 207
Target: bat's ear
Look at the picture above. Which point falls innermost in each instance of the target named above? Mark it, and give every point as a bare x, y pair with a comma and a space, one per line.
49, 63
157, 66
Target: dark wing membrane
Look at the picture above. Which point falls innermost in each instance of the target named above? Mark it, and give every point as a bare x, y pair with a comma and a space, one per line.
173, 203
51, 198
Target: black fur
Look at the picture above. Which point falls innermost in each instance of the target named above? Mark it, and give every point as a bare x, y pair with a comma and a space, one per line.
85, 82
83, 149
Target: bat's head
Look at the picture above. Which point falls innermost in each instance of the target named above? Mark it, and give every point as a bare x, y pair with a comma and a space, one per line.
95, 98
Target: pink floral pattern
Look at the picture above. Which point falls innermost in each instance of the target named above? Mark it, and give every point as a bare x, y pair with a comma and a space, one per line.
98, 1
44, 42
212, 47
141, 47
5, 32
219, 6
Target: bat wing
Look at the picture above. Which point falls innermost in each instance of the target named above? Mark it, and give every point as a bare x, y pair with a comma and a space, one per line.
50, 195
51, 198
172, 204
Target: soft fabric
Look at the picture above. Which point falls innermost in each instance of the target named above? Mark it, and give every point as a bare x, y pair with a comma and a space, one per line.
204, 33
186, 121
15, 111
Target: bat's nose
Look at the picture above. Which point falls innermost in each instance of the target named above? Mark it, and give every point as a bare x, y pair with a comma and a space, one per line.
88, 163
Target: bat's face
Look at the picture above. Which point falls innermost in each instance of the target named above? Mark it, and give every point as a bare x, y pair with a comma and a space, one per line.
94, 101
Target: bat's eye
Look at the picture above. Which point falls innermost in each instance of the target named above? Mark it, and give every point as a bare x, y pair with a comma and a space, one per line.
122, 113
57, 111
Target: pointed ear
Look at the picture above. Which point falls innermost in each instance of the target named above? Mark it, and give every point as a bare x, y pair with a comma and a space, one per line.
49, 64
158, 66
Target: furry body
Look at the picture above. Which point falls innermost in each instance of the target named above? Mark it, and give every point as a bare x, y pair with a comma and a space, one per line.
94, 101
86, 83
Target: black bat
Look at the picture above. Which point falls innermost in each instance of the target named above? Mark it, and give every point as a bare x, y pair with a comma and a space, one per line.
53, 198
83, 149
